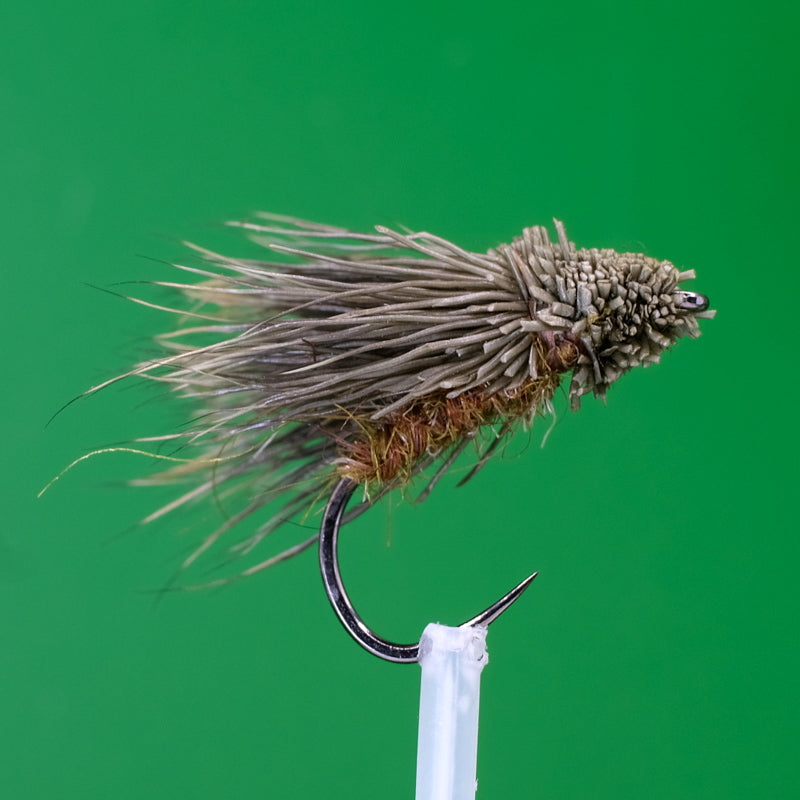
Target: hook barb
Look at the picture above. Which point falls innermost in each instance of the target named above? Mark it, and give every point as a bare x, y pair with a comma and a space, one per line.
334, 587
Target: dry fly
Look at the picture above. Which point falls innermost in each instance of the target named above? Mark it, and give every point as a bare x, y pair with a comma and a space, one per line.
380, 356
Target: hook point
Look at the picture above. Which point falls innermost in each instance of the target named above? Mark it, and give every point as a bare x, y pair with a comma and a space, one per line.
503, 604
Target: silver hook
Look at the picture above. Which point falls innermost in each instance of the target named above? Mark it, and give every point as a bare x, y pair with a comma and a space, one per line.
354, 625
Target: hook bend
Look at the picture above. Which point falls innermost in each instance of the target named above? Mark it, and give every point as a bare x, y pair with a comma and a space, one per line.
334, 588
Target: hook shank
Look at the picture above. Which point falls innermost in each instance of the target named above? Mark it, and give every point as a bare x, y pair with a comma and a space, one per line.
334, 587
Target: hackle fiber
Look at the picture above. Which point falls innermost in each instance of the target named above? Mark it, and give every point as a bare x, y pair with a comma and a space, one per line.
375, 355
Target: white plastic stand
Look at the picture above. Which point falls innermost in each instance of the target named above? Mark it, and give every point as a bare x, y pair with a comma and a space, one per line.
452, 660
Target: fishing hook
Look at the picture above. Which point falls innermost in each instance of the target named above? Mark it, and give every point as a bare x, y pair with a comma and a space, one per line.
334, 588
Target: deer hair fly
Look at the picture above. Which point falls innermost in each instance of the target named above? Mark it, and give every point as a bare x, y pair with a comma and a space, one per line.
379, 356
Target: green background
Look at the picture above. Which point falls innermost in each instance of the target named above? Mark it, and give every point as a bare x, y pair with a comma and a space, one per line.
657, 653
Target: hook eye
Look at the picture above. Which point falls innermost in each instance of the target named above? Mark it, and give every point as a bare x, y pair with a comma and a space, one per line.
691, 301
334, 587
